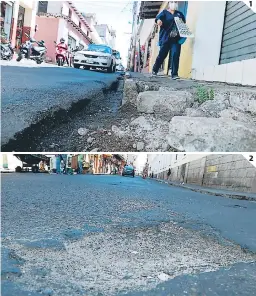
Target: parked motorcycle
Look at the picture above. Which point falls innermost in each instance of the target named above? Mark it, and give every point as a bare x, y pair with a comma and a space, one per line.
61, 55
32, 52
7, 51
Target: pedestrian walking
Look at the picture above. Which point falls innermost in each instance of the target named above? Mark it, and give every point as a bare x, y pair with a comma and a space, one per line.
80, 163
169, 173
62, 167
169, 39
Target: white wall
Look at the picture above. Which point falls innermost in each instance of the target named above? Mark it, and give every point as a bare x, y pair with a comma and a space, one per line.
146, 30
65, 9
63, 30
54, 7
207, 47
208, 34
27, 3
75, 18
13, 162
30, 14
162, 162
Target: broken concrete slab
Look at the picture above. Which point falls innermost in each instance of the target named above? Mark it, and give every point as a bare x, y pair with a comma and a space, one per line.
146, 86
212, 108
203, 134
240, 98
118, 132
142, 122
232, 113
130, 92
165, 103
151, 131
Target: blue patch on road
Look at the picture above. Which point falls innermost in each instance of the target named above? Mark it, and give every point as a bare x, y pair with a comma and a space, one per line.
91, 229
11, 289
73, 234
45, 244
10, 262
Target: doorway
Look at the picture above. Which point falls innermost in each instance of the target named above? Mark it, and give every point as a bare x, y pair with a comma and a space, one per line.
20, 25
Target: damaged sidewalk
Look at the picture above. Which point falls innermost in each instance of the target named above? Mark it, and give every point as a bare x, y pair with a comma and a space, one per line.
188, 115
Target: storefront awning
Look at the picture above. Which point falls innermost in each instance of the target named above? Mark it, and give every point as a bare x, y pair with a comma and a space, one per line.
149, 9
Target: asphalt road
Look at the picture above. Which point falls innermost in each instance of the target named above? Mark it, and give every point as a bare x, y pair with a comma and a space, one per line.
29, 95
112, 235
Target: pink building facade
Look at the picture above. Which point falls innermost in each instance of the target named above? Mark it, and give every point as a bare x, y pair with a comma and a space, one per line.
61, 19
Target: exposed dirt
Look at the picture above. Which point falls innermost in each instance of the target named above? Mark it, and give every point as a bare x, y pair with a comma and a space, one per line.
98, 117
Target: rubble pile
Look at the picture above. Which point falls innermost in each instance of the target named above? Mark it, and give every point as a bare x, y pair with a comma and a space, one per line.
198, 117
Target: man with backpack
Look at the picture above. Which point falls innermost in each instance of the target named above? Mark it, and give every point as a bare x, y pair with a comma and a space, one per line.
169, 39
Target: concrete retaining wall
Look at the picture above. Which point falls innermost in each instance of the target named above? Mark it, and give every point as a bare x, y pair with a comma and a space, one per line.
223, 171
229, 172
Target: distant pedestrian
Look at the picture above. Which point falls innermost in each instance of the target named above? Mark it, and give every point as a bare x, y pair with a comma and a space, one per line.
62, 167
169, 39
169, 173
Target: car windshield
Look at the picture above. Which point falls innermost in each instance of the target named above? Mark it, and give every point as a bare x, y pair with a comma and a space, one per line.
99, 48
128, 167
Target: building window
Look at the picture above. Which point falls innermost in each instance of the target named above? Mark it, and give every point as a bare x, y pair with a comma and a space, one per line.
42, 6
80, 24
70, 13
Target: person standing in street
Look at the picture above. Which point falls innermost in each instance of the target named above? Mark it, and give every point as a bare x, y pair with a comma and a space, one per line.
169, 174
169, 39
80, 163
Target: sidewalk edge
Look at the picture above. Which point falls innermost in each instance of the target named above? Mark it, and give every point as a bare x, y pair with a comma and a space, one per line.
205, 191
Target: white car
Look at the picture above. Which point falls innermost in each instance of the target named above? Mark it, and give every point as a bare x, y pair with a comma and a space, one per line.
96, 56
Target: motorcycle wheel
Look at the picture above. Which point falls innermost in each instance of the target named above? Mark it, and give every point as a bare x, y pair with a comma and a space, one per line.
39, 62
10, 57
19, 58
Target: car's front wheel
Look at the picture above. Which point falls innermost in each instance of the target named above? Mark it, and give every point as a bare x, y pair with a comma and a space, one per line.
110, 68
77, 66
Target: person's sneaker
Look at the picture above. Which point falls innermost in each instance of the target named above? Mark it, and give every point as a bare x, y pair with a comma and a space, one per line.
154, 73
175, 77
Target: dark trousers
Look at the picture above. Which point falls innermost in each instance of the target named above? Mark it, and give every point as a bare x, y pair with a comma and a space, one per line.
174, 58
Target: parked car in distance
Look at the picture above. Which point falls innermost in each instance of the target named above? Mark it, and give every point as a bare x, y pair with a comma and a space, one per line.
96, 56
128, 170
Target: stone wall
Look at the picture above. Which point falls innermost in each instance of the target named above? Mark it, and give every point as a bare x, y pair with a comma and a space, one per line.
223, 171
195, 171
232, 172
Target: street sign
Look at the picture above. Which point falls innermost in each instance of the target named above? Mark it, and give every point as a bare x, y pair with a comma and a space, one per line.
211, 169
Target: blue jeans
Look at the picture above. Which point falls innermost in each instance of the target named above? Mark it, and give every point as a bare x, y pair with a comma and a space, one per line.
174, 58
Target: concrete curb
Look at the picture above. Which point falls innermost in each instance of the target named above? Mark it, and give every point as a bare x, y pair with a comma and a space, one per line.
205, 191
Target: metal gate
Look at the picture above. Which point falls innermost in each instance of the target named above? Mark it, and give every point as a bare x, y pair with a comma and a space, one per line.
239, 33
